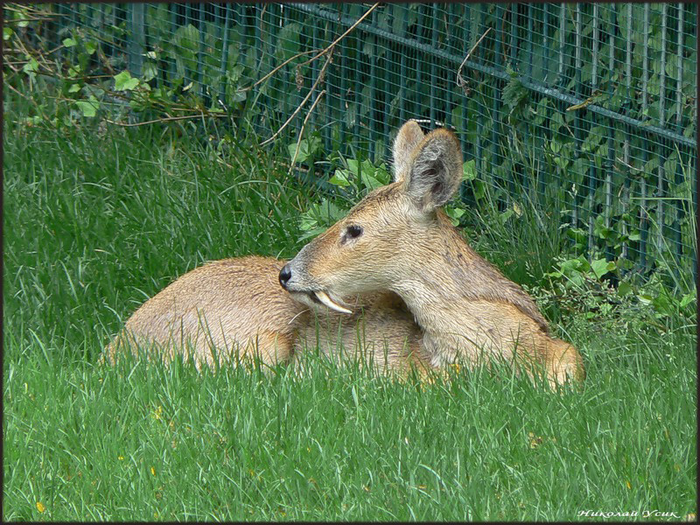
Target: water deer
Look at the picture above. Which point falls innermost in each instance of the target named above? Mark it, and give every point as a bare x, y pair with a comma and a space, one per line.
397, 239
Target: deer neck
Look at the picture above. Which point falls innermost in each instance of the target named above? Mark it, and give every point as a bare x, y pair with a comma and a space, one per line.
447, 284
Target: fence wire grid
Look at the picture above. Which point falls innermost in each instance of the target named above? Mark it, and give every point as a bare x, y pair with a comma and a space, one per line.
587, 110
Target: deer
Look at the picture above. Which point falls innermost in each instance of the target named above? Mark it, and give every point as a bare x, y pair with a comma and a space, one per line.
398, 239
393, 283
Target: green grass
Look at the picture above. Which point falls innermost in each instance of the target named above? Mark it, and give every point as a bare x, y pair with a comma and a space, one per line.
94, 224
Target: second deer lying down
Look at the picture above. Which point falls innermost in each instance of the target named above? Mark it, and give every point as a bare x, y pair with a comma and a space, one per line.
398, 239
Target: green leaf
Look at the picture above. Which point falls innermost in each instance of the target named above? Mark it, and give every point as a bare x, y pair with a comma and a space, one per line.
90, 47
454, 213
370, 181
687, 299
307, 223
561, 162
288, 41
88, 107
31, 67
69, 42
381, 173
503, 217
514, 92
306, 148
74, 71
74, 88
150, 71
601, 266
124, 82
239, 96
479, 189
624, 288
469, 170
555, 145
319, 217
7, 33
340, 178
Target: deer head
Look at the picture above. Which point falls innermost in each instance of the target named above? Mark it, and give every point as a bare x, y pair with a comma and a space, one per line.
386, 237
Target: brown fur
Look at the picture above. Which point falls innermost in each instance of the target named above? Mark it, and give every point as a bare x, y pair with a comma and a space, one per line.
228, 306
381, 333
463, 305
236, 309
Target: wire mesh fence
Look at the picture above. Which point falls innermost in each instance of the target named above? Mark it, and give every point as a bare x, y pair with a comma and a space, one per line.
586, 110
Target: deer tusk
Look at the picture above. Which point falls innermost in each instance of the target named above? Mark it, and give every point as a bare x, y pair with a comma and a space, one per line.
323, 297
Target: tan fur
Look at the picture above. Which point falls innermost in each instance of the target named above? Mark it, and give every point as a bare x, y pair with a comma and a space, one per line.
463, 305
381, 333
228, 306
236, 309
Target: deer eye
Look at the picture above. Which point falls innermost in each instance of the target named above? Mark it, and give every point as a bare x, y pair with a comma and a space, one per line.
351, 232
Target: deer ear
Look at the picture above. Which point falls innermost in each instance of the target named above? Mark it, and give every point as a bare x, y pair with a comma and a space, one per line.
408, 137
434, 170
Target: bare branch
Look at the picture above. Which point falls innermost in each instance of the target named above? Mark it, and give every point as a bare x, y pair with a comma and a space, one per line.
460, 81
344, 34
306, 99
320, 53
167, 119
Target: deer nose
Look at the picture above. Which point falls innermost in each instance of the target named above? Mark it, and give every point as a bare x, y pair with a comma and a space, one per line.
285, 275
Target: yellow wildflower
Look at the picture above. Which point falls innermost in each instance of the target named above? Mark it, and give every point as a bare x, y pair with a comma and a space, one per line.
40, 507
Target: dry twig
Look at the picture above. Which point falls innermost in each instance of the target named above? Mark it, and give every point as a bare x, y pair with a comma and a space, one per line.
166, 119
332, 45
460, 81
306, 99
322, 52
326, 51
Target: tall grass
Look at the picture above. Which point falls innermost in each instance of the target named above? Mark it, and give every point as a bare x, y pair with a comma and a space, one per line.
94, 224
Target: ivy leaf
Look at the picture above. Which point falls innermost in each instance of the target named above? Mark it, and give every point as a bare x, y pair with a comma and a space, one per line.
69, 42
124, 82
601, 266
88, 107
469, 170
